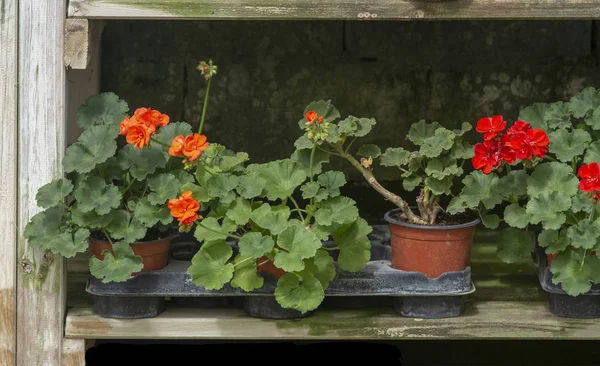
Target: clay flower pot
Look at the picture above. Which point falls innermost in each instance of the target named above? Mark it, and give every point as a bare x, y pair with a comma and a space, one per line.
269, 267
154, 253
431, 250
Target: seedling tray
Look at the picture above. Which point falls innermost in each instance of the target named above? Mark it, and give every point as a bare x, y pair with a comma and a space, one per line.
411, 294
585, 306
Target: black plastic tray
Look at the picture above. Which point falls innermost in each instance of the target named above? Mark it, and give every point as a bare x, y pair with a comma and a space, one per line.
411, 294
585, 306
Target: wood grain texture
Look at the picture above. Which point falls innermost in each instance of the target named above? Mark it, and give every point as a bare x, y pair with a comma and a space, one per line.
77, 43
41, 295
74, 352
519, 320
336, 9
8, 181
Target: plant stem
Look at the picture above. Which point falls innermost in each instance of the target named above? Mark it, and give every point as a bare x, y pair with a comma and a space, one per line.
574, 165
129, 186
218, 232
159, 142
350, 144
204, 106
297, 207
107, 236
332, 248
312, 157
242, 261
327, 151
263, 262
145, 189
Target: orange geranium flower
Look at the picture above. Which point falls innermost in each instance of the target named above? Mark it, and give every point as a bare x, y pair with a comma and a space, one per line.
311, 117
152, 117
176, 146
184, 208
193, 146
138, 135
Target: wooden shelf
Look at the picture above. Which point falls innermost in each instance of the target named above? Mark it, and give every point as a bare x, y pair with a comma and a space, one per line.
335, 9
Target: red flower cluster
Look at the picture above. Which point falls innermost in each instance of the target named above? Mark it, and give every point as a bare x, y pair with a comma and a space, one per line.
519, 142
590, 177
311, 117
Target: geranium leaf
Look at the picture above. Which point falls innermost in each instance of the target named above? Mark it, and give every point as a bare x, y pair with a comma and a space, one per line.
512, 184
240, 211
298, 244
552, 177
331, 182
412, 182
592, 153
548, 209
102, 109
209, 266
230, 163
456, 205
303, 294
245, 276
117, 268
95, 146
462, 150
123, 226
440, 141
68, 244
111, 169
558, 116
183, 177
251, 186
553, 240
255, 245
575, 274
464, 128
273, 219
339, 210
594, 119
150, 214
323, 109
369, 150
309, 190
43, 227
91, 219
355, 246
479, 187
396, 156
163, 187
565, 145
200, 193
303, 142
421, 131
583, 102
222, 187
584, 235
141, 163
281, 177
53, 193
439, 169
167, 133
353, 126
581, 202
514, 244
439, 186
536, 115
94, 194
490, 221
516, 216
321, 266
209, 230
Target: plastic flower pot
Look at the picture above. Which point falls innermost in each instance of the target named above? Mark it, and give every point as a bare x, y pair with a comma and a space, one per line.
154, 253
431, 250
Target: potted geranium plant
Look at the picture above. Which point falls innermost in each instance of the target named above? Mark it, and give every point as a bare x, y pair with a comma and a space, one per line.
545, 167
425, 237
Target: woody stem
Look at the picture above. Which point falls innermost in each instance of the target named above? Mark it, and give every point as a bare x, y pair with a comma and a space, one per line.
204, 106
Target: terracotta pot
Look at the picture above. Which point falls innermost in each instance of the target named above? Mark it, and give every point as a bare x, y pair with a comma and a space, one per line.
269, 267
431, 250
154, 253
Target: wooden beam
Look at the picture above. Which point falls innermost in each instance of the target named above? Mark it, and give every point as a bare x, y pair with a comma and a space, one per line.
517, 320
41, 287
8, 181
77, 43
335, 9
74, 351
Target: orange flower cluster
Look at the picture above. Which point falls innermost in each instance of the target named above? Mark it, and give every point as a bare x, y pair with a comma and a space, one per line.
184, 208
191, 146
312, 117
139, 127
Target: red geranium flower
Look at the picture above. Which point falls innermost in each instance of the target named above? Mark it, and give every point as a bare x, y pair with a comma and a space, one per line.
524, 142
311, 117
490, 126
487, 156
590, 177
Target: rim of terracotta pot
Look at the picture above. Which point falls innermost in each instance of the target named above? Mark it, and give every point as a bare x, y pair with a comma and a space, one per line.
388, 218
170, 237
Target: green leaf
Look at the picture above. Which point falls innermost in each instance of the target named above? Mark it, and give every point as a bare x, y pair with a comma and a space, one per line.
68, 244
321, 266
183, 177
323, 109
209, 230
584, 235
230, 163
53, 193
456, 205
479, 187
421, 131
200, 193
582, 202
309, 190
339, 210
575, 272
462, 150
209, 266
439, 142
566, 145
594, 119
150, 214
298, 244
255, 245
491, 221
211, 155
141, 163
273, 219
536, 115
439, 169
369, 150
332, 181
281, 177
126, 228
355, 246
169, 132
552, 177
464, 128
553, 240
95, 146
353, 126
585, 101
397, 156
303, 294
111, 169
222, 187
512, 184
102, 109
412, 182
548, 209
251, 186
117, 268
303, 142
514, 244
94, 194
44, 226
91, 219
558, 116
592, 153
516, 216
240, 211
439, 186
245, 276
163, 187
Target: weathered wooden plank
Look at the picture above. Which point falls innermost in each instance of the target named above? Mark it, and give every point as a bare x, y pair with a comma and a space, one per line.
74, 351
481, 320
335, 9
8, 181
41, 295
77, 43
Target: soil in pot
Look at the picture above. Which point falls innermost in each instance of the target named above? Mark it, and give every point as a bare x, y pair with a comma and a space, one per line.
153, 249
431, 250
